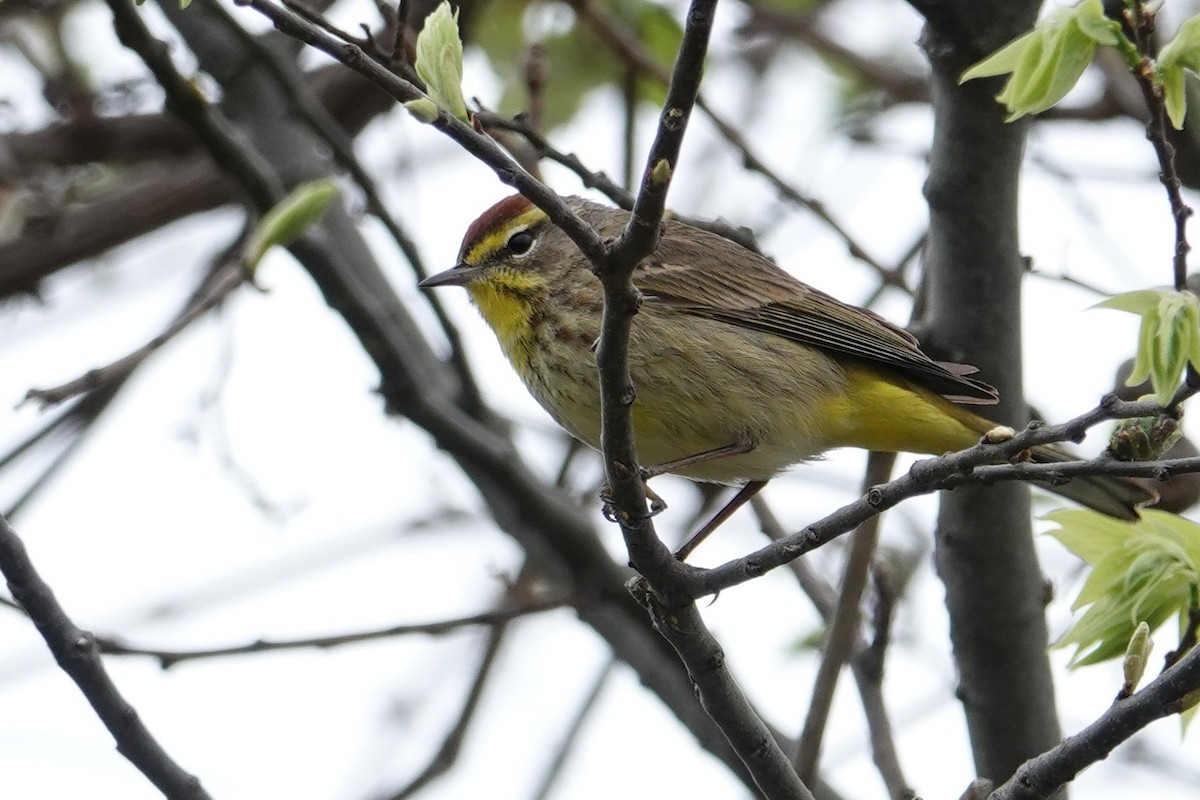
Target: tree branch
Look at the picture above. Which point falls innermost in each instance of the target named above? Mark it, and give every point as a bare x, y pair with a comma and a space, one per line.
1042, 776
684, 628
76, 652
925, 476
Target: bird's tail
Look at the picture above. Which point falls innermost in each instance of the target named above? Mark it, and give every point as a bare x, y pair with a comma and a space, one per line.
1109, 494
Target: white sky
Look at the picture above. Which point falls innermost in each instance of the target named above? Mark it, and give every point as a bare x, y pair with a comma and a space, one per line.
148, 535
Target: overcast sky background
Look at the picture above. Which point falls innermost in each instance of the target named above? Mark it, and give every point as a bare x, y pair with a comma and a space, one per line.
248, 485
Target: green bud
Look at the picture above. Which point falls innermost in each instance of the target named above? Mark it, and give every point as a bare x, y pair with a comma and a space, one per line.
998, 434
660, 173
1137, 655
439, 60
1144, 438
424, 109
289, 219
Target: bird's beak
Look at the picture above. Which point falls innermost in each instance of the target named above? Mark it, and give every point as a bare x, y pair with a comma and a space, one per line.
458, 275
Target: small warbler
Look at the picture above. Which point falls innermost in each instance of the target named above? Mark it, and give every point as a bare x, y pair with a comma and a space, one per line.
733, 360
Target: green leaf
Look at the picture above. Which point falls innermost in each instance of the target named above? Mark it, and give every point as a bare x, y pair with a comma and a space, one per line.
439, 60
1089, 16
1142, 572
1143, 361
1003, 61
1184, 49
1089, 536
1140, 302
1169, 337
1046, 63
1026, 76
1073, 51
289, 219
1177, 56
1174, 86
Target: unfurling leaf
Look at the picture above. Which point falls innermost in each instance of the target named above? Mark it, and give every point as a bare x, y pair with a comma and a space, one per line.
1045, 64
439, 60
289, 219
1144, 438
1141, 572
1177, 57
1169, 338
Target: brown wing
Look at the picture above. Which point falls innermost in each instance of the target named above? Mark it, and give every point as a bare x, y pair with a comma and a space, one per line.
756, 294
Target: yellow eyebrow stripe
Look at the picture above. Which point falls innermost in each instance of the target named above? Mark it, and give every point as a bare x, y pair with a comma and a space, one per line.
494, 240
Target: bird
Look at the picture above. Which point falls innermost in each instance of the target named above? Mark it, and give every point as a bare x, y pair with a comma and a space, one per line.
740, 369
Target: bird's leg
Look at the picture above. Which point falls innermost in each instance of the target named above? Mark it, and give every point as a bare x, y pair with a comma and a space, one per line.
740, 499
657, 504
740, 447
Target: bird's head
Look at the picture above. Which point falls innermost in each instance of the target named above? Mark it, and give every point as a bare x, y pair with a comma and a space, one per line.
512, 248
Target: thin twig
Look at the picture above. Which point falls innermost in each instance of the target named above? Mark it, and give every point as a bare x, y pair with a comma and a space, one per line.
169, 658
568, 740
544, 149
447, 753
480, 146
1141, 21
930, 475
600, 181
629, 47
253, 174
1042, 776
723, 699
868, 672
308, 108
842, 632
224, 280
647, 553
76, 652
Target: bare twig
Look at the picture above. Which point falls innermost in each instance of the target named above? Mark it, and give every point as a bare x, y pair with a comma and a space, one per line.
647, 553
723, 699
867, 666
226, 279
447, 753
482, 147
568, 740
169, 658
308, 108
1040, 777
209, 124
76, 652
627, 46
929, 475
1141, 22
842, 632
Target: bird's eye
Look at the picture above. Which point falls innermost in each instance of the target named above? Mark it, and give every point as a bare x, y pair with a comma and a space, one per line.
520, 242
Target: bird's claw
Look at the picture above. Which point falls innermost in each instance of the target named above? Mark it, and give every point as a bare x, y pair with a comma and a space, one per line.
609, 508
